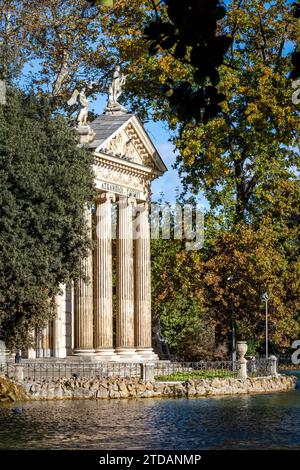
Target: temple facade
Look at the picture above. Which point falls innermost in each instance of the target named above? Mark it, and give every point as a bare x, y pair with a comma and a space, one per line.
106, 316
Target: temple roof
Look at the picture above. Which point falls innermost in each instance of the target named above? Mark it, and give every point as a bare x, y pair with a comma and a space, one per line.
106, 125
123, 136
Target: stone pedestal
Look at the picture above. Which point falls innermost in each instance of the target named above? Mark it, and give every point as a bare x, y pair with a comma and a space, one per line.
83, 303
125, 346
273, 366
103, 315
18, 372
147, 372
242, 368
241, 347
86, 134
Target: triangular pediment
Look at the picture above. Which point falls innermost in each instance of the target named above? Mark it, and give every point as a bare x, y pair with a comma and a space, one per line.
127, 140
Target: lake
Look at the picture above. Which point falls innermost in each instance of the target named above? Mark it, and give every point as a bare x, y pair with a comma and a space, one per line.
270, 421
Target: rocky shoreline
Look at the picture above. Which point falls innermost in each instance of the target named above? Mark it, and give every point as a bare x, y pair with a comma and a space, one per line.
11, 390
114, 388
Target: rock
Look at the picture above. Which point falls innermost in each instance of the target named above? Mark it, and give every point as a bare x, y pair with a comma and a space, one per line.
140, 388
102, 393
12, 396
123, 387
58, 391
114, 387
82, 393
191, 391
149, 386
180, 392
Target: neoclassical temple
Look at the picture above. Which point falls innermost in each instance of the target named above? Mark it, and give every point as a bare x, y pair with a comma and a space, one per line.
95, 319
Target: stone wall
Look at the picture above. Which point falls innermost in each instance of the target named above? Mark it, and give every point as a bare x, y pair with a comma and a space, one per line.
87, 388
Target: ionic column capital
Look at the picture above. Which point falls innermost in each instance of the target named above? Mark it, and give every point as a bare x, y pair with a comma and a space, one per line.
125, 201
143, 206
105, 197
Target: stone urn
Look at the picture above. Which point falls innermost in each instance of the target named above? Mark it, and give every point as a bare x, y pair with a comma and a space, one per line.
241, 349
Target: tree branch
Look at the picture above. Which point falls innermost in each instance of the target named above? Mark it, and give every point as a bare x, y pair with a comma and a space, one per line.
264, 45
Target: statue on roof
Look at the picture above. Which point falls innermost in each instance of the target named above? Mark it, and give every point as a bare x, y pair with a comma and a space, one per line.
82, 101
115, 90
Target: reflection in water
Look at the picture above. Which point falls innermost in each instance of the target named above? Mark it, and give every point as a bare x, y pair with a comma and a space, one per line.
250, 422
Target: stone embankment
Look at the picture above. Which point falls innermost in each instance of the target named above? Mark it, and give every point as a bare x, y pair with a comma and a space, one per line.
98, 388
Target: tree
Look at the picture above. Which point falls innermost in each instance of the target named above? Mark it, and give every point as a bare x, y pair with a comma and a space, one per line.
254, 143
14, 46
242, 266
245, 160
178, 300
62, 38
45, 182
189, 32
295, 73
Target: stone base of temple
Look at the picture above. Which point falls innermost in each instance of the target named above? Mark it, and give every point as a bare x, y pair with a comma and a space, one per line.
60, 353
43, 353
147, 354
127, 355
105, 355
91, 359
84, 352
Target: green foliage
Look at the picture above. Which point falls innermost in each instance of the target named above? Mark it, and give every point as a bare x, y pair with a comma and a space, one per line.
242, 265
45, 180
239, 158
196, 375
245, 161
178, 299
188, 31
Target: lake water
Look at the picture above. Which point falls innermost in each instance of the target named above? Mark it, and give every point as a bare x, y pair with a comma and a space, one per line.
269, 421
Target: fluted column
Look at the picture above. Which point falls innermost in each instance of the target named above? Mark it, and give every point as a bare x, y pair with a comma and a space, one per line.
32, 351
45, 340
103, 313
142, 271
38, 343
125, 279
83, 302
59, 349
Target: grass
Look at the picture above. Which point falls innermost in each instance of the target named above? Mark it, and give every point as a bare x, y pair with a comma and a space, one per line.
196, 374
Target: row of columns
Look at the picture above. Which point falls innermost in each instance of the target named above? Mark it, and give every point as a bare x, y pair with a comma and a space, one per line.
94, 300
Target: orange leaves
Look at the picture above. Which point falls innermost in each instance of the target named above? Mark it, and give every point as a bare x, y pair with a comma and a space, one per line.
241, 266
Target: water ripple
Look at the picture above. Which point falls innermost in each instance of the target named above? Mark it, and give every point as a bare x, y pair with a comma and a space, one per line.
246, 422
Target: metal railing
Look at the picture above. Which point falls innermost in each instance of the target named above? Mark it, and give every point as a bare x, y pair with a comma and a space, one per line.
193, 370
259, 367
160, 371
39, 370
